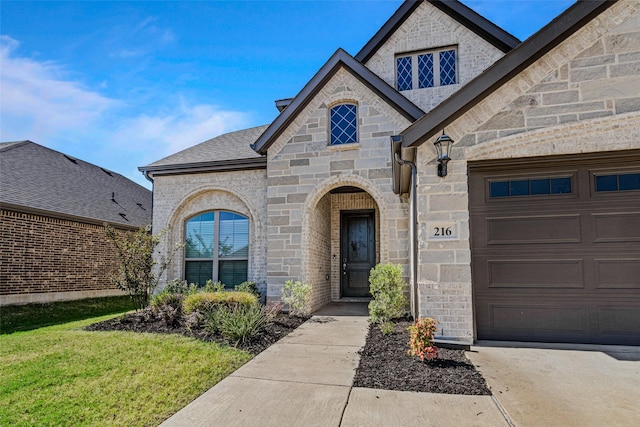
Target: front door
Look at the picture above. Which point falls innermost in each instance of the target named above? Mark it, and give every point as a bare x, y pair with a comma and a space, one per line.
358, 251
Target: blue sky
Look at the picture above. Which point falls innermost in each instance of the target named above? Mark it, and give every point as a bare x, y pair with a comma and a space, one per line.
122, 84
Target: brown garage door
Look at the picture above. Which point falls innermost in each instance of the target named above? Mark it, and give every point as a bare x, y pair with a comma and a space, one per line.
556, 248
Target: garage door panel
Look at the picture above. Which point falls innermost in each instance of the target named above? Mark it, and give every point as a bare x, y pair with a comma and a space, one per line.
557, 267
617, 273
616, 227
536, 273
533, 229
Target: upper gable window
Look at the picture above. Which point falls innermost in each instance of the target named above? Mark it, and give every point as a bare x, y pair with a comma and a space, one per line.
344, 124
426, 69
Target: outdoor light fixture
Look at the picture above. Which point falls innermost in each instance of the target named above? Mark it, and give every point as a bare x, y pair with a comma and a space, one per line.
442, 145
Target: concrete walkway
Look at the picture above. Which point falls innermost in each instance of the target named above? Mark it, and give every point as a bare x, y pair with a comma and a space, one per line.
306, 380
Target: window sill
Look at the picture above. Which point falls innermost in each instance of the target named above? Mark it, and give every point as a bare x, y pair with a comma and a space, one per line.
344, 147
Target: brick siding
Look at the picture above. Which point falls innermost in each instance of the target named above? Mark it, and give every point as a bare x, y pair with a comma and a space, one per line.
40, 255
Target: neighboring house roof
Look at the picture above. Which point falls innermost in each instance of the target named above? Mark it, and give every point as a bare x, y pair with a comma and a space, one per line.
338, 60
39, 180
231, 151
503, 70
486, 29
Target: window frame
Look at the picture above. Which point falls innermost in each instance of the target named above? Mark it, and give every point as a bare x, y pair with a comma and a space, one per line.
436, 70
330, 122
215, 259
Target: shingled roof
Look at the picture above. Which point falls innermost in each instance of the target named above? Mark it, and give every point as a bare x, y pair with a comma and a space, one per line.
229, 151
40, 180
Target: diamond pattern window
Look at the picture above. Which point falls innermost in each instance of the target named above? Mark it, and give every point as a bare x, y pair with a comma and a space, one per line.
405, 76
427, 69
217, 248
344, 124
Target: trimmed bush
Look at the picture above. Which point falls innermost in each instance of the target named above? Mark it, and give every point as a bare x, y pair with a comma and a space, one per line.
297, 295
203, 301
251, 287
211, 286
387, 289
422, 334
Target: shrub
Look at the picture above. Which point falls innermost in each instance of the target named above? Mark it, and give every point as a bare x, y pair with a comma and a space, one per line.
421, 339
241, 323
176, 286
297, 295
387, 289
211, 286
168, 306
203, 301
387, 327
251, 287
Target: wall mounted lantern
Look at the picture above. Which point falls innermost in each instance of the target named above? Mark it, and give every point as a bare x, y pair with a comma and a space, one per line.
442, 144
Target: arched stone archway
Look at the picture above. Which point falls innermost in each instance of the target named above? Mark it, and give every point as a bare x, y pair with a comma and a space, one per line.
321, 237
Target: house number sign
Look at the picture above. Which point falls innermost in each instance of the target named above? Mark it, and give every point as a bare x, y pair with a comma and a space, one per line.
443, 231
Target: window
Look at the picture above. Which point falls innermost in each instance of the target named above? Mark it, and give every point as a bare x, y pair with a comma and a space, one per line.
344, 127
426, 69
217, 248
618, 182
530, 187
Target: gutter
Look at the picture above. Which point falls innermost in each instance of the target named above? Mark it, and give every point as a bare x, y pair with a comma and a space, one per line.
414, 223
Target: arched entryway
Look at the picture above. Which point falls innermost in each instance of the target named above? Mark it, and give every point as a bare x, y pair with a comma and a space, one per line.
342, 240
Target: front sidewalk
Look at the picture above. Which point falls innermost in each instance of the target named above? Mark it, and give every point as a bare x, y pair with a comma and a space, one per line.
306, 379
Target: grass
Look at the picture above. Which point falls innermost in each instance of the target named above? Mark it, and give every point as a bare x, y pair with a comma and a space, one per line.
32, 316
63, 375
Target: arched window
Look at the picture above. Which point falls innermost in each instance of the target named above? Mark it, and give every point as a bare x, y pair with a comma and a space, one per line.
344, 124
217, 248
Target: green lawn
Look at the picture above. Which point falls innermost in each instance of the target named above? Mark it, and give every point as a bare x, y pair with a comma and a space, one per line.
32, 316
62, 375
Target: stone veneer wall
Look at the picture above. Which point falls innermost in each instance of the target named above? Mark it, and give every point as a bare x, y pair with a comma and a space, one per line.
44, 259
302, 169
179, 197
583, 96
430, 28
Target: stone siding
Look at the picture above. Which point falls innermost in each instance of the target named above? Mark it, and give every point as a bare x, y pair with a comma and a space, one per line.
179, 197
582, 96
45, 259
303, 168
430, 28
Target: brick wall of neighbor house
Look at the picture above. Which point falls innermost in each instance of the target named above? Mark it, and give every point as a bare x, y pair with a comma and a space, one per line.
179, 197
302, 169
583, 96
429, 28
46, 259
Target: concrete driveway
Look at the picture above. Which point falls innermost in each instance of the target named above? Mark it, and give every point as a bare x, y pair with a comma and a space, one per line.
562, 385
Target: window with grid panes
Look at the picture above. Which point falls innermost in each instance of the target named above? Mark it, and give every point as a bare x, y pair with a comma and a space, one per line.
344, 124
217, 248
426, 69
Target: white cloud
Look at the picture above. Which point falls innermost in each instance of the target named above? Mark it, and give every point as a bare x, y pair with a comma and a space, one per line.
165, 134
37, 101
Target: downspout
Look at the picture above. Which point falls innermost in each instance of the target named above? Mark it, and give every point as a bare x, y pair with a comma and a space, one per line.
146, 175
414, 224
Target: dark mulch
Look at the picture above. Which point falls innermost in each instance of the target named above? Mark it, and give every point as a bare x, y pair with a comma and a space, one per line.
147, 321
384, 364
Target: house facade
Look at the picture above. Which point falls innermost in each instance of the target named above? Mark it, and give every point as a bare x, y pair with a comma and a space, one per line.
534, 232
53, 245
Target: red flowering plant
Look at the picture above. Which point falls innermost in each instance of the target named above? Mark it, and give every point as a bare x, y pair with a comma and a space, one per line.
421, 341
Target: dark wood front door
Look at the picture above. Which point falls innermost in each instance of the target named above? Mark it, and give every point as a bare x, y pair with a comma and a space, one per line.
358, 252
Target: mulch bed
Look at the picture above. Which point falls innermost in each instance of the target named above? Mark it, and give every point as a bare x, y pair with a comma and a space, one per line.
147, 321
384, 364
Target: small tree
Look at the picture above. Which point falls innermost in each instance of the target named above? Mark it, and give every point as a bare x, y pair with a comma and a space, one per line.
135, 274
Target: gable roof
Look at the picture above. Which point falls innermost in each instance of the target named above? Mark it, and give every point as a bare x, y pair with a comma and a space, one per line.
486, 29
230, 151
503, 70
338, 60
37, 179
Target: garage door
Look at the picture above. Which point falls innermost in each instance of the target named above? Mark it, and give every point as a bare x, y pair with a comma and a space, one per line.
556, 248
